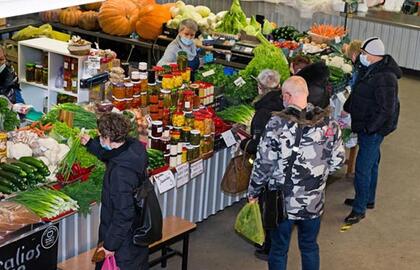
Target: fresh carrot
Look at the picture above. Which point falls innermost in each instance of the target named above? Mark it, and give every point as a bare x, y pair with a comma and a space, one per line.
34, 124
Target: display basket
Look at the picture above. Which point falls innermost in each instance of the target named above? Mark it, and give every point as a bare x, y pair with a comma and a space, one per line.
321, 39
81, 50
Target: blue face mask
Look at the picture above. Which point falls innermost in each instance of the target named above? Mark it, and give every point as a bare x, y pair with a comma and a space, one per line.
186, 41
364, 61
106, 147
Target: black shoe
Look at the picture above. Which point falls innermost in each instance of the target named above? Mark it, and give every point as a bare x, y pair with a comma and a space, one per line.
349, 202
261, 254
354, 218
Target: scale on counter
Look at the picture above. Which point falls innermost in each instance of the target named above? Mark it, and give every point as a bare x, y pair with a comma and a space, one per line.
244, 48
224, 43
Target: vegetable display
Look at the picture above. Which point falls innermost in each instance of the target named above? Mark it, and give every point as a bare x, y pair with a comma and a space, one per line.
155, 159
14, 216
89, 20
118, 17
242, 93
241, 114
46, 203
326, 30
150, 21
287, 33
218, 79
8, 119
70, 16
66, 165
82, 118
234, 20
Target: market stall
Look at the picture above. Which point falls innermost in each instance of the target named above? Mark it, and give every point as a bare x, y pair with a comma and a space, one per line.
190, 127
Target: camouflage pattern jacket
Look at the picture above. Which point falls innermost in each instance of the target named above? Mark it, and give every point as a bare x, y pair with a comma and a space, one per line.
319, 153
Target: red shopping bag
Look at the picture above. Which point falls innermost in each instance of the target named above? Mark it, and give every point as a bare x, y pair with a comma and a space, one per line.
110, 264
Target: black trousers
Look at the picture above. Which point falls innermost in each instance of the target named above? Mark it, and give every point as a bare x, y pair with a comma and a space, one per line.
130, 257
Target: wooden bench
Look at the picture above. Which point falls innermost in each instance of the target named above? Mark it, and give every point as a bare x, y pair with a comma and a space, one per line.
174, 230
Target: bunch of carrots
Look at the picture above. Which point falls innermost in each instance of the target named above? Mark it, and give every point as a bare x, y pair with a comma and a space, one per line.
38, 128
327, 30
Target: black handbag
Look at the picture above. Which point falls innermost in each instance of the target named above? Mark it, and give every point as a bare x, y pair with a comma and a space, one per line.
274, 211
147, 226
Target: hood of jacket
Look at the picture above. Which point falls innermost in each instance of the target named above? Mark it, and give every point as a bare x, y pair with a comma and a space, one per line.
387, 65
316, 73
131, 155
311, 116
271, 101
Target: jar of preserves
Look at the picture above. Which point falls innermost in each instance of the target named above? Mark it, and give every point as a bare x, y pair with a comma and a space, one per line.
157, 128
135, 76
195, 137
189, 120
128, 90
182, 60
173, 67
118, 90
199, 124
167, 158
67, 63
143, 83
45, 76
74, 84
196, 103
30, 72
129, 103
143, 100
156, 143
188, 100
136, 101
165, 96
143, 68
74, 67
168, 81
190, 152
153, 108
184, 155
185, 134
136, 88
196, 152
208, 125
177, 78
207, 144
186, 75
178, 119
38, 74
119, 103
173, 161
175, 135
166, 116
165, 145
159, 71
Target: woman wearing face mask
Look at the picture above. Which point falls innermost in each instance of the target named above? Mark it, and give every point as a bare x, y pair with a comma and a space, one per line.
9, 85
183, 42
352, 52
126, 163
268, 101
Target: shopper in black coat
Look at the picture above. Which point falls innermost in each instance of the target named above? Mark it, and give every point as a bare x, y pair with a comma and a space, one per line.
316, 76
374, 108
126, 162
9, 85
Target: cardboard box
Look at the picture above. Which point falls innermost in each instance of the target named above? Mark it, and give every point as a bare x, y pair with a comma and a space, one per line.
3, 22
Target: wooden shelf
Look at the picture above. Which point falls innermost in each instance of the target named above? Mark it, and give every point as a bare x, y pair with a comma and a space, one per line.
45, 87
62, 91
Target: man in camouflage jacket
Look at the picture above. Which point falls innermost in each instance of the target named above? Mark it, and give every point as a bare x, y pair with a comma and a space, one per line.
319, 152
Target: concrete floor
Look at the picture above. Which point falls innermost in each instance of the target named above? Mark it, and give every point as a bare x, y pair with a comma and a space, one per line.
388, 238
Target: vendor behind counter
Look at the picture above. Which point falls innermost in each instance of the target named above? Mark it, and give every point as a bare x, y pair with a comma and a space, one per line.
183, 42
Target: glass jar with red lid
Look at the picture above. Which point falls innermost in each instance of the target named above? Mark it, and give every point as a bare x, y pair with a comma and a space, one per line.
174, 67
188, 96
120, 104
177, 79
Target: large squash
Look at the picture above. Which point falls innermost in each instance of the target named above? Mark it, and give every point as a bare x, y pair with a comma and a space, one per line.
117, 17
142, 3
151, 20
50, 15
70, 16
89, 20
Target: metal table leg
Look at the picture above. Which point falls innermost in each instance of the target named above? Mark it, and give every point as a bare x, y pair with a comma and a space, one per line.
185, 245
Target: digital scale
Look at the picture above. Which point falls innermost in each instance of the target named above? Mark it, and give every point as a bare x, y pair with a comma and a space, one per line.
244, 48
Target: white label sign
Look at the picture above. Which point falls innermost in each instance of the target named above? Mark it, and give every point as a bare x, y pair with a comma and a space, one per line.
337, 40
229, 138
196, 168
183, 174
95, 62
165, 181
248, 50
239, 82
208, 73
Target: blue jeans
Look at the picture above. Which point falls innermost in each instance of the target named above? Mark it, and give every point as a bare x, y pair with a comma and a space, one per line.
366, 176
307, 234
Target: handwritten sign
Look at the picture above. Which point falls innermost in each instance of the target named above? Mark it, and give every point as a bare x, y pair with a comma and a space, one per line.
196, 168
183, 174
165, 181
208, 73
229, 138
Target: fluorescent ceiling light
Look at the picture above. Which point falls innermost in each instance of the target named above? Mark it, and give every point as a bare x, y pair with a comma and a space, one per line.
10, 8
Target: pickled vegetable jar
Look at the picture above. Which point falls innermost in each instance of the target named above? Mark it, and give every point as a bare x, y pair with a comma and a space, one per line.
182, 60
129, 91
199, 124
185, 134
188, 100
195, 137
118, 90
168, 81
119, 103
45, 76
178, 119
177, 79
30, 72
38, 74
165, 96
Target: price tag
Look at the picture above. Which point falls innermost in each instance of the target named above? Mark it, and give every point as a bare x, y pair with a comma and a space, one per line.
95, 62
229, 138
248, 50
208, 73
196, 168
239, 82
337, 40
183, 174
165, 181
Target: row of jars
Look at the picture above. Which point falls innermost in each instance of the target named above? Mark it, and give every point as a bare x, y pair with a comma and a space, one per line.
36, 73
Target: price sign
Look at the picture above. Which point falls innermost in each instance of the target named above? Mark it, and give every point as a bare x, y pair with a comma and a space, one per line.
208, 73
337, 40
239, 82
228, 138
95, 62
165, 181
183, 174
196, 168
248, 50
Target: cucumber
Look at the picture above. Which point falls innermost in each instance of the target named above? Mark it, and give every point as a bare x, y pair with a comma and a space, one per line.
5, 190
26, 167
8, 184
16, 180
37, 164
13, 169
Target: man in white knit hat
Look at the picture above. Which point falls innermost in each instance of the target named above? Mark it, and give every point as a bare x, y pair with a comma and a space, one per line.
374, 108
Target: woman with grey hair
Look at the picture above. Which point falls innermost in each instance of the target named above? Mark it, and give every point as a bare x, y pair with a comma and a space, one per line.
183, 42
269, 100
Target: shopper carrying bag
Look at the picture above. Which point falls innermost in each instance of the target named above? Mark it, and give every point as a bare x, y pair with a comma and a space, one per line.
110, 264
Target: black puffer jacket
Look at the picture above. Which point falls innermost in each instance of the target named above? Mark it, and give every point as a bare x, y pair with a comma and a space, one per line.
373, 103
9, 83
124, 166
316, 76
271, 102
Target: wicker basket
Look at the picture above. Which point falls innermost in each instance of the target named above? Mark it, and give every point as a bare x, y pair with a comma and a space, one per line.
320, 39
79, 50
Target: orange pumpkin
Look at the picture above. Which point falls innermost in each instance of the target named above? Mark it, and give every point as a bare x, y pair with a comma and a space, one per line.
50, 15
70, 16
151, 20
89, 20
117, 17
92, 6
142, 3
169, 5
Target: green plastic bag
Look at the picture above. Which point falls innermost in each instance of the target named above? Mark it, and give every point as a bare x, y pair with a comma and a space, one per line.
249, 224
